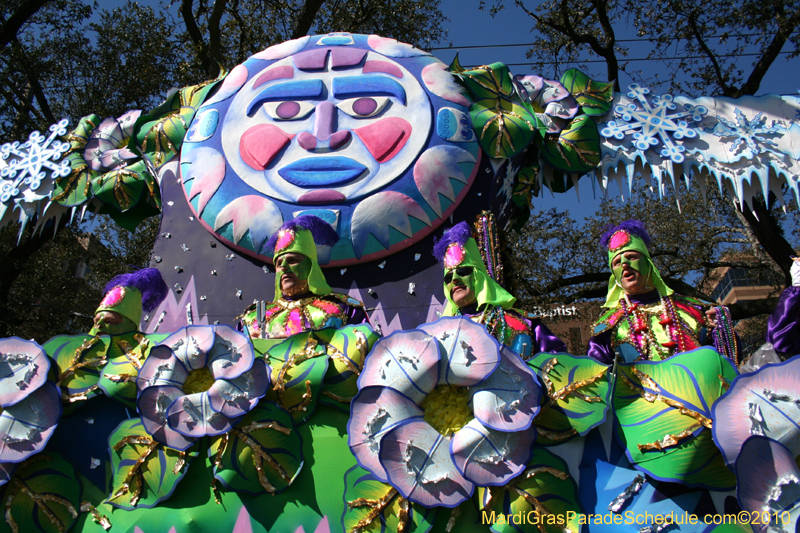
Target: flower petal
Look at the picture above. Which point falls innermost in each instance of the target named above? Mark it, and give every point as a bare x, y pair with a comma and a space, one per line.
191, 345
767, 483
418, 464
489, 457
162, 367
25, 427
470, 353
6, 469
237, 396
193, 416
231, 355
373, 412
152, 405
23, 369
406, 361
509, 399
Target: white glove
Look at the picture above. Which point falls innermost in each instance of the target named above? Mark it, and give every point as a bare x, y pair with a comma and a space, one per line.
795, 272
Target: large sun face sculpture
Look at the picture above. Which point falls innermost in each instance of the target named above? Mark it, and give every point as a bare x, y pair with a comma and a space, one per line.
370, 134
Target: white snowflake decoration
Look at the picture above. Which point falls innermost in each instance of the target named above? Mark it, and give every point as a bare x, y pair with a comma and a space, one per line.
653, 123
30, 163
748, 134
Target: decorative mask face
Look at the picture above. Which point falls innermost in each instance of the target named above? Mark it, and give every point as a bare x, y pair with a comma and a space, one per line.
293, 269
326, 125
111, 323
632, 272
371, 135
461, 286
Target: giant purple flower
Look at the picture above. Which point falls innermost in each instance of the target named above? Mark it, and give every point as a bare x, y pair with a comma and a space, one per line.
553, 103
199, 381
441, 409
107, 146
31, 405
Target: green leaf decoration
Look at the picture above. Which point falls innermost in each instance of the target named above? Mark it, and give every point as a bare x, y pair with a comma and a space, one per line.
579, 395
347, 347
577, 148
545, 493
489, 82
504, 129
374, 507
159, 134
125, 357
455, 67
298, 368
78, 137
144, 472
663, 416
122, 188
78, 364
264, 452
43, 495
74, 189
594, 97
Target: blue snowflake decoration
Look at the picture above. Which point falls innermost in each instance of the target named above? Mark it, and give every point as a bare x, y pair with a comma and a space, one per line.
652, 124
30, 162
748, 135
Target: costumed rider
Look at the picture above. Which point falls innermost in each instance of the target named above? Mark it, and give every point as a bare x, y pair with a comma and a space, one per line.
646, 320
126, 296
471, 292
783, 326
303, 299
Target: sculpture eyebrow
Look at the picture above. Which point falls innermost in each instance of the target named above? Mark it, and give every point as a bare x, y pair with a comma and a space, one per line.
369, 85
288, 90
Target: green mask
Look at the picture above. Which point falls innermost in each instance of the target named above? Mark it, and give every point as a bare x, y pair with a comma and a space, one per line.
487, 290
640, 265
301, 241
622, 241
467, 280
104, 326
301, 269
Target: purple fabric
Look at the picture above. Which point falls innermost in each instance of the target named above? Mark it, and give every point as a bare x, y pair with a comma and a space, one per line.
600, 347
545, 340
783, 326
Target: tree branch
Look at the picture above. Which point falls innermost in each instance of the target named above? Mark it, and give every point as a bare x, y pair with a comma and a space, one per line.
768, 57
187, 14
11, 27
306, 18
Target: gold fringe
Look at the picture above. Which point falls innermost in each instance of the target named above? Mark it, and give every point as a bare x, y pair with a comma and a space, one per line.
668, 440
376, 505
101, 520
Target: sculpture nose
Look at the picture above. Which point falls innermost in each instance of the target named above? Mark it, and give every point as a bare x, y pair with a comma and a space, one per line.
324, 131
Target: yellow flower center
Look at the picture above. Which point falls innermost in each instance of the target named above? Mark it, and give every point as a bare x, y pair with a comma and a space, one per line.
199, 380
447, 409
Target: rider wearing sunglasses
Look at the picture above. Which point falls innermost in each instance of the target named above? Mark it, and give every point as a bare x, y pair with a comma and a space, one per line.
471, 292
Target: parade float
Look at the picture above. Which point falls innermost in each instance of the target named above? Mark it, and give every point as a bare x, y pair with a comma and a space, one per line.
416, 423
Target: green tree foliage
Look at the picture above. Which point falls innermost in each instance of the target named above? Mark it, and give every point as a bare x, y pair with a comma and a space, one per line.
51, 285
557, 258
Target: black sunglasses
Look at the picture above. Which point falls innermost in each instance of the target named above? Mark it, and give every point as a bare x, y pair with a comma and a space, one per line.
463, 271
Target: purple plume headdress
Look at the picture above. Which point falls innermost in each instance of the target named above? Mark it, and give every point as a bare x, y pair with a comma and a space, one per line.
147, 281
633, 226
321, 231
460, 234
